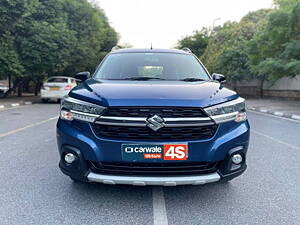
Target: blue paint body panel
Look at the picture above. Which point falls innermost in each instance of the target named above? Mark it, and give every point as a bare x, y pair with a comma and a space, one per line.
79, 134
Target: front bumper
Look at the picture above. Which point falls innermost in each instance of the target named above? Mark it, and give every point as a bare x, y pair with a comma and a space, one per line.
162, 181
78, 138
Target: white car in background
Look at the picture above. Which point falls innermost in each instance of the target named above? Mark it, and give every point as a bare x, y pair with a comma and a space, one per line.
3, 88
55, 88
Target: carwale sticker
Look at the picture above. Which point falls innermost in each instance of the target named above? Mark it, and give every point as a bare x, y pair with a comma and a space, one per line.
156, 152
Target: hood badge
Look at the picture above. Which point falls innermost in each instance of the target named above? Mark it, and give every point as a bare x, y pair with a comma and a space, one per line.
155, 122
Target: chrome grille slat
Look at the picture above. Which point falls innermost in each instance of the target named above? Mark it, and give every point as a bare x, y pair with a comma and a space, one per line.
141, 122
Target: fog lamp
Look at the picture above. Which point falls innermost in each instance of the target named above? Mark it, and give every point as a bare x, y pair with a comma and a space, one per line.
241, 116
70, 158
237, 159
66, 115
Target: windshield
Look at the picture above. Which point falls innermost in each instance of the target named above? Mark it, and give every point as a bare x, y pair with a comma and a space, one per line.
143, 66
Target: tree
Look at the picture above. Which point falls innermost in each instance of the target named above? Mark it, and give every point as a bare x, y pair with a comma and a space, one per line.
233, 62
12, 13
226, 50
222, 38
197, 42
10, 64
40, 38
273, 51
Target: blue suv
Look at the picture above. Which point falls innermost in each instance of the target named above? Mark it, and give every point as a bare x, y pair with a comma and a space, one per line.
152, 117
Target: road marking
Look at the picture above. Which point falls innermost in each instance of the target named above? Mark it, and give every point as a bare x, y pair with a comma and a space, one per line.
159, 207
271, 115
276, 140
26, 127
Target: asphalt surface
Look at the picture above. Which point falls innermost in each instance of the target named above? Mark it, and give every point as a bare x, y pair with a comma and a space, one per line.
34, 191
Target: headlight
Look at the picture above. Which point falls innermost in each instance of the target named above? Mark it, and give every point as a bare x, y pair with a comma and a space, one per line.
72, 108
228, 111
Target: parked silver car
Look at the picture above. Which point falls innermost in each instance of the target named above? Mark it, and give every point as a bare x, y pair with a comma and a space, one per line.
55, 88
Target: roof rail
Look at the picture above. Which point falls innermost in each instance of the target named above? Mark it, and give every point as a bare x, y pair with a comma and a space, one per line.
115, 48
186, 50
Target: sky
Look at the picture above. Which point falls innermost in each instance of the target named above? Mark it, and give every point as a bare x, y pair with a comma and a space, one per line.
164, 22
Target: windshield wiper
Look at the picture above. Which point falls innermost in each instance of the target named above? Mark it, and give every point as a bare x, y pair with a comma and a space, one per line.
192, 79
143, 78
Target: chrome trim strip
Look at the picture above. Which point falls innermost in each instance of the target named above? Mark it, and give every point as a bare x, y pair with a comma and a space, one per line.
229, 103
122, 121
162, 181
224, 117
84, 114
181, 119
184, 119
189, 124
77, 101
123, 118
121, 124
142, 121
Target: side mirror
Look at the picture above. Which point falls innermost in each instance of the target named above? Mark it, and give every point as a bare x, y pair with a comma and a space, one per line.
82, 76
219, 77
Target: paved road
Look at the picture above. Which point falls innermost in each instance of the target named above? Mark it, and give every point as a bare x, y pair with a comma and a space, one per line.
33, 190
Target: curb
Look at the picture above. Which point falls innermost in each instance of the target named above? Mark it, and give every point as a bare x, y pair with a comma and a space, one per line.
275, 113
295, 117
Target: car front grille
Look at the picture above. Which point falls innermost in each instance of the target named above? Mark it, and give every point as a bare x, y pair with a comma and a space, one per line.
150, 111
145, 133
154, 169
132, 123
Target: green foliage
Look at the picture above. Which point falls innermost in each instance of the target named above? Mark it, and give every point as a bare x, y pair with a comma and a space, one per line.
13, 11
39, 38
295, 23
197, 42
286, 5
274, 52
221, 40
226, 51
46, 52
9, 58
264, 44
233, 63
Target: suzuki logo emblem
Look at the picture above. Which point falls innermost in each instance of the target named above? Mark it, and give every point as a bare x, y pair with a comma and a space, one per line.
155, 122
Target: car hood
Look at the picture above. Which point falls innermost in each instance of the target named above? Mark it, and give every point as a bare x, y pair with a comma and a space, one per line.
152, 93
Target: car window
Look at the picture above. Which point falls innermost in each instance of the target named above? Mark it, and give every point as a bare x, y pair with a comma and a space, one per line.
169, 66
57, 80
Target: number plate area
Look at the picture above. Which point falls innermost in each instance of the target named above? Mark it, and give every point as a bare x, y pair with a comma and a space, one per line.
54, 88
154, 152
